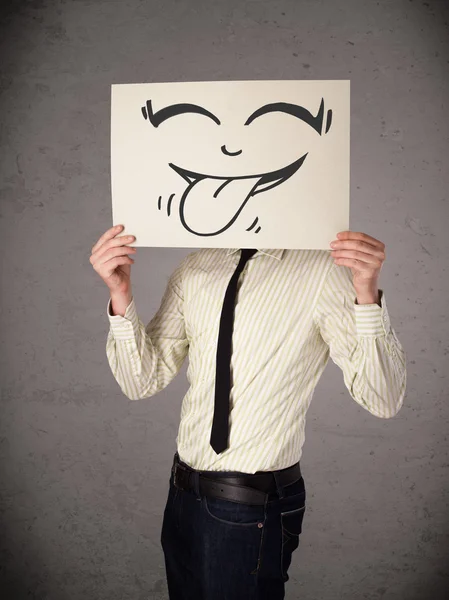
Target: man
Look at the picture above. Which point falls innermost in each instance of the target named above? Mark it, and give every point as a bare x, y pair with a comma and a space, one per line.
235, 510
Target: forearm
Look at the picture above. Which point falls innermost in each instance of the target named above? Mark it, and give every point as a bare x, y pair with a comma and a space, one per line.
145, 359
362, 342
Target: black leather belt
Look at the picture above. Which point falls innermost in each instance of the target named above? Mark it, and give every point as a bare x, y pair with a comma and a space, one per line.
247, 488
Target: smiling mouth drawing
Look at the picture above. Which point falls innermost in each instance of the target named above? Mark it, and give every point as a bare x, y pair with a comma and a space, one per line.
203, 190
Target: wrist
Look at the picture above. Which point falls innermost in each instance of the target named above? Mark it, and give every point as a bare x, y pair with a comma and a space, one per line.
368, 296
120, 302
121, 292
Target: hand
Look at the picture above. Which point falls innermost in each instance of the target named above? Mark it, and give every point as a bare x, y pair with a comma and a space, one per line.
109, 260
363, 254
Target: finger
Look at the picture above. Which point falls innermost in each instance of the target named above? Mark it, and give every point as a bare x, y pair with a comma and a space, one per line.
108, 235
101, 258
370, 259
364, 237
358, 266
361, 246
110, 247
106, 269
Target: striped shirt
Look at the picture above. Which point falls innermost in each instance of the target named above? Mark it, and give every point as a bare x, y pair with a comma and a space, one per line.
294, 309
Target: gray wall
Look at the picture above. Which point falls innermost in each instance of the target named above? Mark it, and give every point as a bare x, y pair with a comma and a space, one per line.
84, 471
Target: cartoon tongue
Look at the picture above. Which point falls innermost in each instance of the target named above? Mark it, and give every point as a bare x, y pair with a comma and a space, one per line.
213, 205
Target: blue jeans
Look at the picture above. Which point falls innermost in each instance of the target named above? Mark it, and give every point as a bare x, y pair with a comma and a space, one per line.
217, 549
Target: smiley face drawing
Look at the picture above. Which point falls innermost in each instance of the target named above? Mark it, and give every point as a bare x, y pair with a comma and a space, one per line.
232, 191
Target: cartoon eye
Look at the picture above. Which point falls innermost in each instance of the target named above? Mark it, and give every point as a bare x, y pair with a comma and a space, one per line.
171, 111
291, 109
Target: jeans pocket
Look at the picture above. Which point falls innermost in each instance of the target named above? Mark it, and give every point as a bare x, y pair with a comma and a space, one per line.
291, 524
234, 513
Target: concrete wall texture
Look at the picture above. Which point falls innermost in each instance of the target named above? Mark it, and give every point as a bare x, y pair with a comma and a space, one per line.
84, 471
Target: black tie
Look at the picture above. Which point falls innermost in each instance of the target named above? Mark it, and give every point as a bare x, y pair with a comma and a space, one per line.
220, 425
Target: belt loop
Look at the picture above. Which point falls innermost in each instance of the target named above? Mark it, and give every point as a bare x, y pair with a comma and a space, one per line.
196, 483
279, 486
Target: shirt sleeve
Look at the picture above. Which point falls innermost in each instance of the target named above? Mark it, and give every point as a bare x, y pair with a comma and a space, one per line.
145, 359
363, 344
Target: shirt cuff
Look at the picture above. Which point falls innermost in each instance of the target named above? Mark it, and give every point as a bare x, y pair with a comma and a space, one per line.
372, 319
126, 327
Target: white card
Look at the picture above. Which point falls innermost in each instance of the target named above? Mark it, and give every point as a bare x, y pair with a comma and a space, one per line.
231, 164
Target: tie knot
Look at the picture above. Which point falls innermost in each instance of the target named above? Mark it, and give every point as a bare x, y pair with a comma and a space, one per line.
247, 253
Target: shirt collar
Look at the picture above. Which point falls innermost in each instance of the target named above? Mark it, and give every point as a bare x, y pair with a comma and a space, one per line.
275, 253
